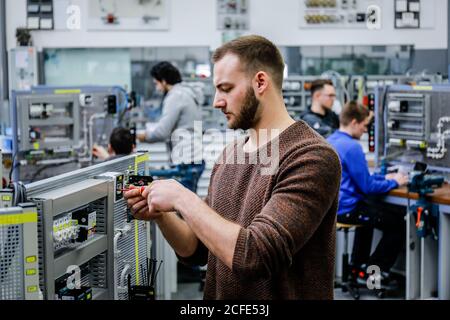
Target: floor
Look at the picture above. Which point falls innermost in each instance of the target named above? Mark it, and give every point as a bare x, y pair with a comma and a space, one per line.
190, 291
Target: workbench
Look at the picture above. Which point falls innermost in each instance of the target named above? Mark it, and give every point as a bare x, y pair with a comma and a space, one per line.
427, 260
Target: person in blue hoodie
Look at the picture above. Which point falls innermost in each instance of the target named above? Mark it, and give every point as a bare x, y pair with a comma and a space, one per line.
357, 196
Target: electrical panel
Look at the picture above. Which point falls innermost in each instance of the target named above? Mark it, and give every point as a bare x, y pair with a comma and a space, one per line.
337, 13
407, 14
40, 14
98, 263
233, 14
23, 72
75, 228
128, 15
413, 125
6, 198
55, 129
19, 261
296, 94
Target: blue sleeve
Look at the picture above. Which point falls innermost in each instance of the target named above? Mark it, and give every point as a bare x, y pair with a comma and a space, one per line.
359, 173
378, 176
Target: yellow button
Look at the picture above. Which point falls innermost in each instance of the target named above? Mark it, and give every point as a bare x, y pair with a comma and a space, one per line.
31, 289
30, 259
31, 272
6, 198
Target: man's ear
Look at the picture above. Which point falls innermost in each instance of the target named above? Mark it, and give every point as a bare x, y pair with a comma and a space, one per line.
110, 149
261, 82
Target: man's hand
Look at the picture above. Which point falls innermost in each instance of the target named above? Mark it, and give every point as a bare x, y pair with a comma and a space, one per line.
141, 137
138, 205
100, 152
390, 176
163, 195
401, 178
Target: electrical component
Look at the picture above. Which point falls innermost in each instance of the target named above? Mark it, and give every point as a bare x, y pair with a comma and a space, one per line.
65, 231
111, 104
87, 223
6, 198
440, 150
119, 183
84, 293
86, 100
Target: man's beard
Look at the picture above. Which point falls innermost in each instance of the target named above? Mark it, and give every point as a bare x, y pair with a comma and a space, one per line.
246, 118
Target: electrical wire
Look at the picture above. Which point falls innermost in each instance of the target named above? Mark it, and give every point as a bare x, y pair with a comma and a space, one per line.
13, 166
40, 170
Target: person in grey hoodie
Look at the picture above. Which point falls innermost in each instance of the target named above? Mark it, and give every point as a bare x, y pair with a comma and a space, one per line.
180, 109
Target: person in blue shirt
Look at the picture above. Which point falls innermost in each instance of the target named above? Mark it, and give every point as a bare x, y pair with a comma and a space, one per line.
357, 196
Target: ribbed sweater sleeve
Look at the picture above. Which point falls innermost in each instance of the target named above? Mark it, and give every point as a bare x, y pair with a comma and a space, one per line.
300, 199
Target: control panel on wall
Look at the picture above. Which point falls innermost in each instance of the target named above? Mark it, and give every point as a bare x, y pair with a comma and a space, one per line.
337, 13
40, 14
407, 14
232, 14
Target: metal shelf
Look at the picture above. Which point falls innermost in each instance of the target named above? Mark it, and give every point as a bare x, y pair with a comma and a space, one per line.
51, 121
80, 255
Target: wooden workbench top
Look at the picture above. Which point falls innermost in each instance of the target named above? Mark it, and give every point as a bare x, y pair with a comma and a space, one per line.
440, 196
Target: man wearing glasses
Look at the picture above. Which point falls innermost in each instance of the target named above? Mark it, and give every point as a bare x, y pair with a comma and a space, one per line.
319, 115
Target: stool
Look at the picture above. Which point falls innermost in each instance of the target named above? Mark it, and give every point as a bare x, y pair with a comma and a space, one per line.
348, 284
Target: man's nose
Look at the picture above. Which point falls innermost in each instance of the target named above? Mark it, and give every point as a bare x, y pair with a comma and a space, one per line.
219, 102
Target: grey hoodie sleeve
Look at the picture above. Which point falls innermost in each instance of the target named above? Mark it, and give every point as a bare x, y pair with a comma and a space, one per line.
172, 108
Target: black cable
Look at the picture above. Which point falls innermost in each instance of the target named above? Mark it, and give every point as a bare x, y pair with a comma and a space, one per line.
39, 171
13, 166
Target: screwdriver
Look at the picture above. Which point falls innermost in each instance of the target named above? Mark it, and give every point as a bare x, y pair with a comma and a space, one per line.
141, 189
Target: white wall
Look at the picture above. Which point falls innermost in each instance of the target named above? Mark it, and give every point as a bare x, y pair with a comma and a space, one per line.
193, 23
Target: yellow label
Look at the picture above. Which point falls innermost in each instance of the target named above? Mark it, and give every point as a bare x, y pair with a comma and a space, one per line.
31, 272
36, 146
423, 88
139, 159
6, 198
30, 259
142, 158
88, 296
32, 289
18, 218
136, 249
67, 91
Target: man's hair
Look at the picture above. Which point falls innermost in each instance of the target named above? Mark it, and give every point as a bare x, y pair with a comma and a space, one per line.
256, 54
122, 141
166, 71
319, 84
353, 110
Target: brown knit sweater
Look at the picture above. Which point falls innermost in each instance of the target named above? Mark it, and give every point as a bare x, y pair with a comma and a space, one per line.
286, 246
